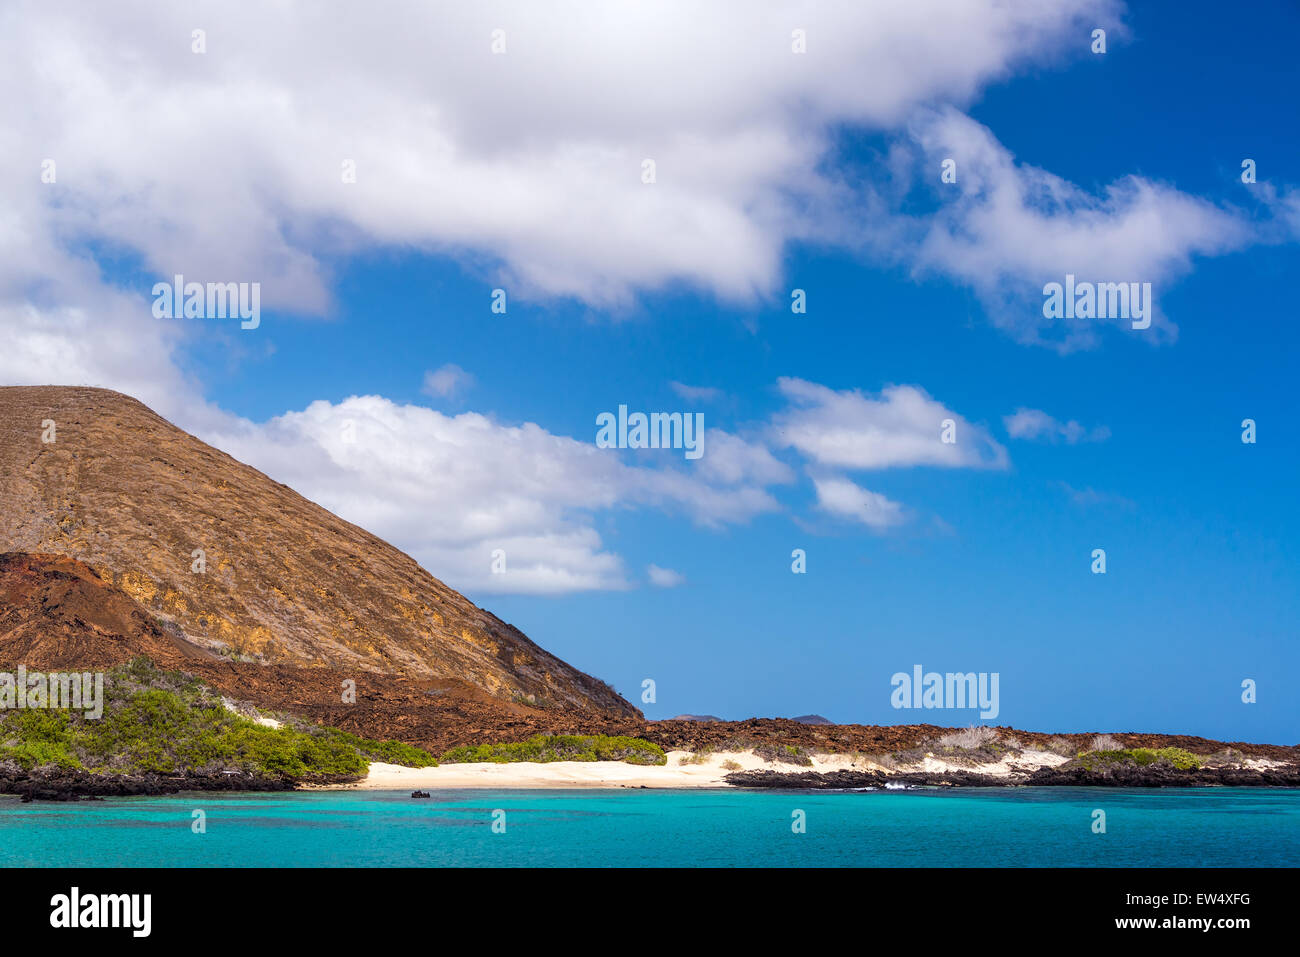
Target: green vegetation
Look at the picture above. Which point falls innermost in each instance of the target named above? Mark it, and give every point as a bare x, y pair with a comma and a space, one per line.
389, 752
783, 753
1179, 758
168, 723
545, 748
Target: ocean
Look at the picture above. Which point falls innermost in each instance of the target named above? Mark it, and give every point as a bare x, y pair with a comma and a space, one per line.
977, 827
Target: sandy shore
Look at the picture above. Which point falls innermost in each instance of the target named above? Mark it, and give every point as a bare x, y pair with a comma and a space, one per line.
706, 773
683, 770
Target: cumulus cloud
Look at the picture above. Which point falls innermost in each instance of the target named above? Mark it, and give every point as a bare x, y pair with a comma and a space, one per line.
844, 498
1006, 229
664, 577
452, 489
531, 157
731, 460
902, 426
1036, 424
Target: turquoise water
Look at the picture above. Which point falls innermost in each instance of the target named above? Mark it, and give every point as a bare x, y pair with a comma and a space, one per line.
948, 828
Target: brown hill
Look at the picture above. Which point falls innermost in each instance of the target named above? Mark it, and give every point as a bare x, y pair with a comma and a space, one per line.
286, 581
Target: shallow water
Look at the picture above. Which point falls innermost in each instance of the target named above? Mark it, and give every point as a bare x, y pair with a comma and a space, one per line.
949, 828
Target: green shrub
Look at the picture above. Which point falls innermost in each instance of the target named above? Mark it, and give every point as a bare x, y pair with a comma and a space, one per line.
169, 723
389, 752
1177, 757
544, 748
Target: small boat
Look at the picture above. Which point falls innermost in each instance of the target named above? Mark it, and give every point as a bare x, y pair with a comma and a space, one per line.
420, 794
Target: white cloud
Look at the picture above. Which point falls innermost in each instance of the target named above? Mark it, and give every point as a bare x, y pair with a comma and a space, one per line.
1006, 229
903, 426
843, 498
105, 344
731, 460
1036, 424
664, 577
451, 489
696, 393
446, 381
227, 165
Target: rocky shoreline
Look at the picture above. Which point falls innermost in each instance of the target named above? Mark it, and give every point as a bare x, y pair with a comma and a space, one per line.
1121, 776
53, 784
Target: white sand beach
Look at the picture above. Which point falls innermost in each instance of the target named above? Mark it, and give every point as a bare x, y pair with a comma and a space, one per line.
683, 770
708, 772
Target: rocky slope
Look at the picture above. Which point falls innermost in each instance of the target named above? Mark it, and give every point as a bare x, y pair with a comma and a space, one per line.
286, 582
58, 614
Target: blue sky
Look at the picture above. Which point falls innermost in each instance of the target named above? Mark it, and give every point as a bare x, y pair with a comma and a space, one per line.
987, 567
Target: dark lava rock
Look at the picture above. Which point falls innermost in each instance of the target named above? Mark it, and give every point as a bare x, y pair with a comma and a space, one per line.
1162, 775
59, 784
1118, 776
848, 780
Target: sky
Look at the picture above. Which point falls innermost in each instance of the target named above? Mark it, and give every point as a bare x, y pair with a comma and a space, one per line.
380, 174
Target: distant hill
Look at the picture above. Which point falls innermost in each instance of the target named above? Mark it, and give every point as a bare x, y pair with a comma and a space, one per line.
812, 719
695, 717
286, 582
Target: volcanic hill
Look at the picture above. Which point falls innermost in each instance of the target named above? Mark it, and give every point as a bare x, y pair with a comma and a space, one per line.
286, 582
